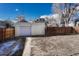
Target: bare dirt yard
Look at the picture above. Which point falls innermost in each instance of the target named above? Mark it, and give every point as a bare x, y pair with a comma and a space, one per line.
66, 45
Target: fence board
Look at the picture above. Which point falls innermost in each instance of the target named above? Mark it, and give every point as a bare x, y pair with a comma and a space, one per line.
6, 33
59, 30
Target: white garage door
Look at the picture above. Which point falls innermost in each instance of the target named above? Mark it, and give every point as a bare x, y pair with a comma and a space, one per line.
38, 29
23, 31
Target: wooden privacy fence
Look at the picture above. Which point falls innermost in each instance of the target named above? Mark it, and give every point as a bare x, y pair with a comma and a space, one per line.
61, 30
6, 33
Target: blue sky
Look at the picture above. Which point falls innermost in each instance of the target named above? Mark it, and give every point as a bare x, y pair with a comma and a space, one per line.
29, 10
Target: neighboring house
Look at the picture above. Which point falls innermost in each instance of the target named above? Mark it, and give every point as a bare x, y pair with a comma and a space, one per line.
41, 20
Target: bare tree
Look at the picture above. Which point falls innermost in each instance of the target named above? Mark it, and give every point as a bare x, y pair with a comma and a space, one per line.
69, 11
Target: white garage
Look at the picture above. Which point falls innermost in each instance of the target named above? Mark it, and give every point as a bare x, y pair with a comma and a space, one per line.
29, 29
